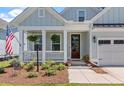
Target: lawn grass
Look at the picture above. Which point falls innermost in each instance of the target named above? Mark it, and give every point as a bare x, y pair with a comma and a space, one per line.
69, 84
4, 64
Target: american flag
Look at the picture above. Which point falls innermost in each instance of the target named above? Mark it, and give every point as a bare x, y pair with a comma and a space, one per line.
9, 38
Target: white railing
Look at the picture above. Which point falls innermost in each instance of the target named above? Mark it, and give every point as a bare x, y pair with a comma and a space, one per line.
52, 55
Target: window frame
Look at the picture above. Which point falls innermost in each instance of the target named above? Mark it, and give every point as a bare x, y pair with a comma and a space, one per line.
56, 43
78, 14
39, 9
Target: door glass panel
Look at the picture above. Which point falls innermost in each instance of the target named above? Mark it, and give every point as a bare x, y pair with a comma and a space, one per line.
75, 46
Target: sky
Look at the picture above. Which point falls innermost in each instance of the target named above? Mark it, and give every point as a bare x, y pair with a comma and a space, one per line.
9, 13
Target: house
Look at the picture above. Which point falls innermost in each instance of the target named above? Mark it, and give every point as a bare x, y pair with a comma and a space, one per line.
3, 25
80, 31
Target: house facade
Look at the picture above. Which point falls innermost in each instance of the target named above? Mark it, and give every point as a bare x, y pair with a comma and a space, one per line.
80, 31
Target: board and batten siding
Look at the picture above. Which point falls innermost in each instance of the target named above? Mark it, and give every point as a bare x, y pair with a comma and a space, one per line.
72, 13
47, 20
104, 35
114, 15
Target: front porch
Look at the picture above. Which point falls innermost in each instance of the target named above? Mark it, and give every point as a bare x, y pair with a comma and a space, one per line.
60, 51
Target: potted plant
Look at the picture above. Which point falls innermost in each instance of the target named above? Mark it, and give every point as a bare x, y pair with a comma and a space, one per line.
86, 58
55, 38
68, 64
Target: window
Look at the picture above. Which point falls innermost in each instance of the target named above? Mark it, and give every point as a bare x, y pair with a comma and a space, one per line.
56, 42
118, 41
104, 42
39, 44
41, 12
81, 16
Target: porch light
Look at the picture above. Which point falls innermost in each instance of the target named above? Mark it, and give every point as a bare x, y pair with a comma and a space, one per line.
94, 39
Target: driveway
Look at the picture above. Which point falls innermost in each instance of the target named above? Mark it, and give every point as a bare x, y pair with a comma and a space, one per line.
86, 75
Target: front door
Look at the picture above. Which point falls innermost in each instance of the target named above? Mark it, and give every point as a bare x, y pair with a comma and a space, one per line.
75, 46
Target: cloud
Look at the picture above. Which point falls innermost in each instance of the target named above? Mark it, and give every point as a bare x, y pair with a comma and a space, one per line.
15, 12
11, 14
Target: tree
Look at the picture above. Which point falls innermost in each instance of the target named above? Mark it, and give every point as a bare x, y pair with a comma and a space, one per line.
35, 39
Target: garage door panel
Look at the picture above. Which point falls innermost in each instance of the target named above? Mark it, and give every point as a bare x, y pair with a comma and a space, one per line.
111, 54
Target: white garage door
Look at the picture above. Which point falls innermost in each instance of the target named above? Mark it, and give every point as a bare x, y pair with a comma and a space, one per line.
111, 52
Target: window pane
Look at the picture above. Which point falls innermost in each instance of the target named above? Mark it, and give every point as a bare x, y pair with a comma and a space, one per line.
57, 39
56, 47
104, 41
81, 13
81, 16
39, 43
118, 41
81, 19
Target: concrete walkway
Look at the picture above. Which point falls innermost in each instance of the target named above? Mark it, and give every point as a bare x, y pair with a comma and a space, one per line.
86, 75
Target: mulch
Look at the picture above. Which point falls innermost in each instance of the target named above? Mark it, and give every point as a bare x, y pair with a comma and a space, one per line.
98, 70
21, 78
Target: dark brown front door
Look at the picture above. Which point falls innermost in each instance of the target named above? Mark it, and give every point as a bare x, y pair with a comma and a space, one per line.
75, 46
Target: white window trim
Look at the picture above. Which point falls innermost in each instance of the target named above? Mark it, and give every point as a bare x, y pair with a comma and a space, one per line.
39, 9
84, 14
56, 43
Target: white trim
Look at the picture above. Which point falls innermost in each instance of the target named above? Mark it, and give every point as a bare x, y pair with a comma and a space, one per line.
100, 14
58, 43
43, 45
39, 10
65, 46
70, 45
84, 14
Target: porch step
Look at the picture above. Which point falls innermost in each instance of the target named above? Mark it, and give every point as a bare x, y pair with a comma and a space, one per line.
79, 67
78, 63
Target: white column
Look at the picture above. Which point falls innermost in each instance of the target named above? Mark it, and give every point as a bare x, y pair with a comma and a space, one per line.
21, 45
43, 46
65, 46
90, 41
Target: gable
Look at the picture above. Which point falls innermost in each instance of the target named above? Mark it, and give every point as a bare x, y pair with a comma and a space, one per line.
114, 15
71, 13
48, 19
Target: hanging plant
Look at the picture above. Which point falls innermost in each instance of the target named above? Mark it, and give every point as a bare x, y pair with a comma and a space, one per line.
55, 38
33, 38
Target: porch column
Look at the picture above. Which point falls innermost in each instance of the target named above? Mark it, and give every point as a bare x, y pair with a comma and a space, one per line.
43, 46
21, 45
65, 46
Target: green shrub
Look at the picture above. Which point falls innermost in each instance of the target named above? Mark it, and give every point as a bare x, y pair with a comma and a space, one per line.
61, 67
47, 64
29, 66
32, 74
2, 70
86, 58
22, 64
50, 71
12, 62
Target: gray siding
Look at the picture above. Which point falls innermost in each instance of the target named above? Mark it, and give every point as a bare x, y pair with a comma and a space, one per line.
114, 15
71, 13
104, 35
48, 20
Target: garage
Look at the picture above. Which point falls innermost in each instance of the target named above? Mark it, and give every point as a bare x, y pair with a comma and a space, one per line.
111, 52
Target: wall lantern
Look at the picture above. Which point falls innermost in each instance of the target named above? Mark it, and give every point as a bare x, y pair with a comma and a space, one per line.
94, 39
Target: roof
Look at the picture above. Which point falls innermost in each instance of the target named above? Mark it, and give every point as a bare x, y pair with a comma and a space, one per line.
3, 23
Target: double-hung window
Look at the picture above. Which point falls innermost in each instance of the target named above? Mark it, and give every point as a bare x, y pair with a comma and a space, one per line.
81, 15
56, 43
